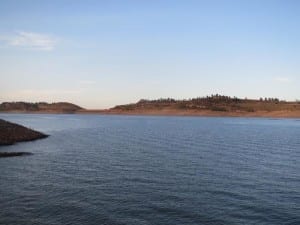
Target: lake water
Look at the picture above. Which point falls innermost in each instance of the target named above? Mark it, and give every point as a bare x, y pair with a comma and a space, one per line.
153, 170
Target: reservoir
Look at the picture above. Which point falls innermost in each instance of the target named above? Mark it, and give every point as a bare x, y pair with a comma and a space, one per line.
152, 170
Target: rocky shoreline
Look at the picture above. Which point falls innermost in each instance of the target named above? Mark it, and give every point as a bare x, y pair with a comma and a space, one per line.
11, 133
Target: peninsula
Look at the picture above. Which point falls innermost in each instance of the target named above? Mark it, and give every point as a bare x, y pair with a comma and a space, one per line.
11, 133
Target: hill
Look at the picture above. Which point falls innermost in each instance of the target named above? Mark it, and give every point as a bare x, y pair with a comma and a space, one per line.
59, 107
214, 105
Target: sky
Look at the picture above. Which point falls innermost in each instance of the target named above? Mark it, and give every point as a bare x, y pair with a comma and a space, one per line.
99, 54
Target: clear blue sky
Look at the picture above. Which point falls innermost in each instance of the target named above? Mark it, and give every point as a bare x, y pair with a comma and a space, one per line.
102, 53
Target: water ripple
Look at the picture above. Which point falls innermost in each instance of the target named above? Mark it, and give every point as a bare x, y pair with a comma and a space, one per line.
153, 170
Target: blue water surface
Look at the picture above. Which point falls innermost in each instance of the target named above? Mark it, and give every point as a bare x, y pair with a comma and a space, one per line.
96, 169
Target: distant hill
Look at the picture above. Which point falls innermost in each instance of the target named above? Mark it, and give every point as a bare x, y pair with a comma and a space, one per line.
59, 107
212, 105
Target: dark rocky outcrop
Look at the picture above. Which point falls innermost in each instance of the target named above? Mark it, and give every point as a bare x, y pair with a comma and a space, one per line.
12, 154
11, 133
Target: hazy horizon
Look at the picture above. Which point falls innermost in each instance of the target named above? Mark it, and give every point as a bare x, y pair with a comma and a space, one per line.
99, 54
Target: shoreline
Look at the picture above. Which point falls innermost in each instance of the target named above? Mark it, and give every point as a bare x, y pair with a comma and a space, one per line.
204, 113
276, 114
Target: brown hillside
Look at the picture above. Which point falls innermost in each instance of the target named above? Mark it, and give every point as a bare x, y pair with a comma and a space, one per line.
64, 107
212, 105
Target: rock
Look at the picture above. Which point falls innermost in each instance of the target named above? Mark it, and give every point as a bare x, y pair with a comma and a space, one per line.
12, 154
11, 133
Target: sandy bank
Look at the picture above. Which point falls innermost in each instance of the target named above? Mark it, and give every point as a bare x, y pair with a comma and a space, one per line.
208, 113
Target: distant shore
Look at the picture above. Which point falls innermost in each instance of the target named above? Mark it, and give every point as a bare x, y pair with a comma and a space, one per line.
211, 106
203, 113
